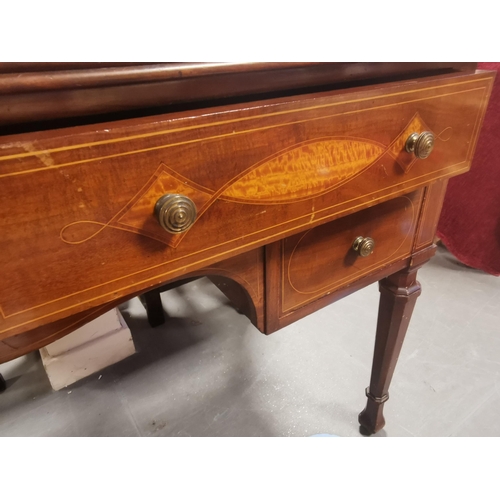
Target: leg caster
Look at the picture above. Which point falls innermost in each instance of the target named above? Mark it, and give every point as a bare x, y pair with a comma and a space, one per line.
398, 294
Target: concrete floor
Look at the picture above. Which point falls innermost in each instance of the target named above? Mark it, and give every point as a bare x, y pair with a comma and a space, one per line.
209, 372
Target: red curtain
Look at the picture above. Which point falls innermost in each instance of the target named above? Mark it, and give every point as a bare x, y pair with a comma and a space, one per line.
470, 221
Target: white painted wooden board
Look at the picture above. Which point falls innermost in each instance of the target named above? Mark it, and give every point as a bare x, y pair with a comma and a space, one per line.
98, 344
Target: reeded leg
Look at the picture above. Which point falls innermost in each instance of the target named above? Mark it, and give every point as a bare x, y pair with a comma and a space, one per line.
398, 294
154, 307
3, 384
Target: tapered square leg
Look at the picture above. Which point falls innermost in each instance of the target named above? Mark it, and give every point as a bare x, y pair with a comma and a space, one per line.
398, 294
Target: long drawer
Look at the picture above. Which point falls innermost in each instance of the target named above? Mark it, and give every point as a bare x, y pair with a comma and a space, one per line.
77, 206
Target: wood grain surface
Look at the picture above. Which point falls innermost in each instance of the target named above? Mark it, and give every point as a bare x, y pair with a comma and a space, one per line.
76, 205
241, 278
322, 259
41, 92
281, 187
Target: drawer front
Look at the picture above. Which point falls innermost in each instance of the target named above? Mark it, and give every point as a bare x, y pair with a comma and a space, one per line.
77, 222
321, 260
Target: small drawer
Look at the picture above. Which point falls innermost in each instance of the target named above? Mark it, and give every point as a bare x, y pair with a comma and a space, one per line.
313, 264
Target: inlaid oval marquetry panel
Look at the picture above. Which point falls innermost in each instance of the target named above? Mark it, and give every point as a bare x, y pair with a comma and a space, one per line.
322, 259
304, 171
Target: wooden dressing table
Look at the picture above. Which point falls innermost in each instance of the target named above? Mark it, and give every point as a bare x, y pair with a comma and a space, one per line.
289, 185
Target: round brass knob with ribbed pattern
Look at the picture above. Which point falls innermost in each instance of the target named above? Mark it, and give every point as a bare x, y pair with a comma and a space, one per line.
421, 145
363, 246
176, 213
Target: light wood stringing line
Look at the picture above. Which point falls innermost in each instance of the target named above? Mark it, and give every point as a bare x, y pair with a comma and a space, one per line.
219, 136
189, 266
336, 284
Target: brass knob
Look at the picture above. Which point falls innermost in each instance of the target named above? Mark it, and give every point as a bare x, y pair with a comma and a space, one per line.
420, 145
175, 213
364, 246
